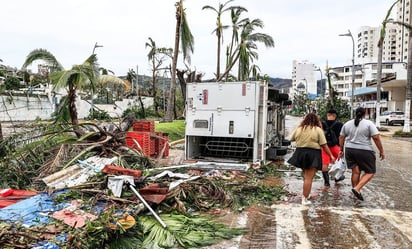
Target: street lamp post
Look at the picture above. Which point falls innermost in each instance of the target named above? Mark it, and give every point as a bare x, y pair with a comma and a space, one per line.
321, 81
353, 71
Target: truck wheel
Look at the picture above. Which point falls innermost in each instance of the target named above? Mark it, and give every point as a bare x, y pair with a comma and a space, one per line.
281, 151
286, 143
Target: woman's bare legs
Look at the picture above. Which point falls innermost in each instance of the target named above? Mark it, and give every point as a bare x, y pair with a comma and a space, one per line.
308, 175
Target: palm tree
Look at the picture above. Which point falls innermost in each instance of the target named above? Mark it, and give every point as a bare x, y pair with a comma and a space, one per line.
236, 24
79, 77
379, 66
245, 52
220, 27
157, 57
183, 35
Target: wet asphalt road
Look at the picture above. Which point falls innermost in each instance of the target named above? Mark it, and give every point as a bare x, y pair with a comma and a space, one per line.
336, 219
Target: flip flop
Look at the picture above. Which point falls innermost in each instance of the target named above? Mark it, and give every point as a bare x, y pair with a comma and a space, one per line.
357, 194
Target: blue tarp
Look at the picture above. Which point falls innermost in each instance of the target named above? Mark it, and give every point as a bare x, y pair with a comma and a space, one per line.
32, 211
37, 210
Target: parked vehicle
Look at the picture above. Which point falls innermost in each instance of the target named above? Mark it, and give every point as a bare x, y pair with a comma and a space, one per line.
392, 117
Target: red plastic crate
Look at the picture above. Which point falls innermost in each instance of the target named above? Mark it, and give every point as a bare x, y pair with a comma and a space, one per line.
153, 148
164, 141
144, 125
143, 140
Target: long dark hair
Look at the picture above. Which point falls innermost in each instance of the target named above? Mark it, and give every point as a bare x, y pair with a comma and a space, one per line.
360, 112
311, 119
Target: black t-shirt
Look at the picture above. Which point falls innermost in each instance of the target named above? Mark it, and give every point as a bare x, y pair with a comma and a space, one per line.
336, 128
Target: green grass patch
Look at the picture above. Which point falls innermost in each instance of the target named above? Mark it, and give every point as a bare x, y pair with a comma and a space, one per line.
176, 129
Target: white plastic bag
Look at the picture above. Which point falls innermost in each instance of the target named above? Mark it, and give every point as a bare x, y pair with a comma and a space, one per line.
338, 169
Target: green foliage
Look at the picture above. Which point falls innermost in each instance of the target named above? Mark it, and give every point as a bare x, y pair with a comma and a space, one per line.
38, 79
12, 83
138, 113
301, 103
62, 113
175, 129
185, 231
27, 152
97, 114
341, 106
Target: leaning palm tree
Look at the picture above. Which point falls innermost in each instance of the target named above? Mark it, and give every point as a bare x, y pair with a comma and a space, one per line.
78, 78
185, 37
220, 27
156, 57
379, 66
245, 53
236, 25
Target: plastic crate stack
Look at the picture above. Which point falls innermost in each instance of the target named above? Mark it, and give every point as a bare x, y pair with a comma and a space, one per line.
145, 139
161, 144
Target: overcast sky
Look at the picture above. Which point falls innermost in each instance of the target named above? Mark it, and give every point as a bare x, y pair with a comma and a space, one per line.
301, 29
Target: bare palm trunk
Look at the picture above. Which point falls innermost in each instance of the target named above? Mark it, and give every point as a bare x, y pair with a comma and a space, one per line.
182, 81
218, 55
407, 125
171, 99
229, 67
71, 98
378, 83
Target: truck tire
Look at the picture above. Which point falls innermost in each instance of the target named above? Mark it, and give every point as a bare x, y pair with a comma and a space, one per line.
286, 142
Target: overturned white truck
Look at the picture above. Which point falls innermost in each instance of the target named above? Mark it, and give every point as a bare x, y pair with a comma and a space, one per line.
235, 122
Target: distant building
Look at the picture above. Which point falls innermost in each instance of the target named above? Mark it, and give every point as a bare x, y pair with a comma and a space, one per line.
303, 78
393, 84
367, 44
404, 10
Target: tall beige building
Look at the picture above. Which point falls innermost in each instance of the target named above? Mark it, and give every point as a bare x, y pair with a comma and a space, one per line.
403, 15
395, 46
367, 44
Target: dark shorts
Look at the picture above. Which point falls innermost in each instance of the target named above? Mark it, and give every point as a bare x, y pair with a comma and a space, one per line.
306, 158
365, 159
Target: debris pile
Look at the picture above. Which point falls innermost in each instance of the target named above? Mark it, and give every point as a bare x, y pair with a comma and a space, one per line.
95, 191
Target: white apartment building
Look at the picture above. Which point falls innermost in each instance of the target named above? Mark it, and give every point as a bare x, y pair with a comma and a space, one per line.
392, 87
403, 15
367, 44
341, 79
303, 78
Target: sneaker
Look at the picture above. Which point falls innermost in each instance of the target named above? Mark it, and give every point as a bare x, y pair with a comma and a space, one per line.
340, 178
357, 194
305, 201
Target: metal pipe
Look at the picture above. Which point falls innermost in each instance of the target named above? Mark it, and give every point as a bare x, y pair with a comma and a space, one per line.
146, 204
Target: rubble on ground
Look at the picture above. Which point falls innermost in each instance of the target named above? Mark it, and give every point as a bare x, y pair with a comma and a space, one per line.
116, 188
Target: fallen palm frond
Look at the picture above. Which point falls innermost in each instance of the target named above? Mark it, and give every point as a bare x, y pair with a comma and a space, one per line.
185, 231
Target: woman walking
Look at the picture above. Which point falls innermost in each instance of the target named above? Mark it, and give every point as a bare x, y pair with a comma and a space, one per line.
359, 153
309, 138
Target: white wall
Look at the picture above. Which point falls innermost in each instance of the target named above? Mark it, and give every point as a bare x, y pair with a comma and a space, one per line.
28, 108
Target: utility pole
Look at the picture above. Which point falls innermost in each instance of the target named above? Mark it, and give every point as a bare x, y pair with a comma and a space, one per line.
353, 71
